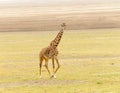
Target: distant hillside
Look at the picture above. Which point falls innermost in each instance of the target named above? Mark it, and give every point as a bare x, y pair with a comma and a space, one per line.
57, 2
37, 17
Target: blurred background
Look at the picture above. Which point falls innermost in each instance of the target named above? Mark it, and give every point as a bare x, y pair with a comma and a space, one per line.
44, 15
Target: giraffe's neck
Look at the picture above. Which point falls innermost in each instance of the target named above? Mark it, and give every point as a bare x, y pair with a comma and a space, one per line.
57, 39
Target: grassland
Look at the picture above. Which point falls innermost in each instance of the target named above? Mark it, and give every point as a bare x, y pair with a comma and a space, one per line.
90, 62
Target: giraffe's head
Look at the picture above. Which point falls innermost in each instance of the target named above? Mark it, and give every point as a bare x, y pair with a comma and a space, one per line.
63, 25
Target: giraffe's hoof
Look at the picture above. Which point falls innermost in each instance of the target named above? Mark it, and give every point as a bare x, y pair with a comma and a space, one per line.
53, 76
40, 77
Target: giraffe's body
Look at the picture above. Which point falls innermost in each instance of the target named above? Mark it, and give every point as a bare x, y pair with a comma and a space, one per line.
51, 52
48, 52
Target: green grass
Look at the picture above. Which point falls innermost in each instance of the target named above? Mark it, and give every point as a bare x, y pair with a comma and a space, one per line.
90, 62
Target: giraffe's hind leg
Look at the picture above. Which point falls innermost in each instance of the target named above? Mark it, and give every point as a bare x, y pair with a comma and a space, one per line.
40, 65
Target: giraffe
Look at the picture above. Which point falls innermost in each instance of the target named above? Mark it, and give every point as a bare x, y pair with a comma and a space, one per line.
51, 52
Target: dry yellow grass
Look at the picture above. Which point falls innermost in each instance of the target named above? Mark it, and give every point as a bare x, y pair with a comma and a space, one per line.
89, 62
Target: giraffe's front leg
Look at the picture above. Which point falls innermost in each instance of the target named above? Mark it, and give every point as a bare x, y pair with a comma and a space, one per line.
53, 64
57, 64
53, 76
46, 65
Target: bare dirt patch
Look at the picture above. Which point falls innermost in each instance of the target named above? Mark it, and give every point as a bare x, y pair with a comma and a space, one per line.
42, 82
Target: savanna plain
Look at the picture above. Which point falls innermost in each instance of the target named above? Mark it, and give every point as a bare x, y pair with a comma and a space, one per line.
90, 62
